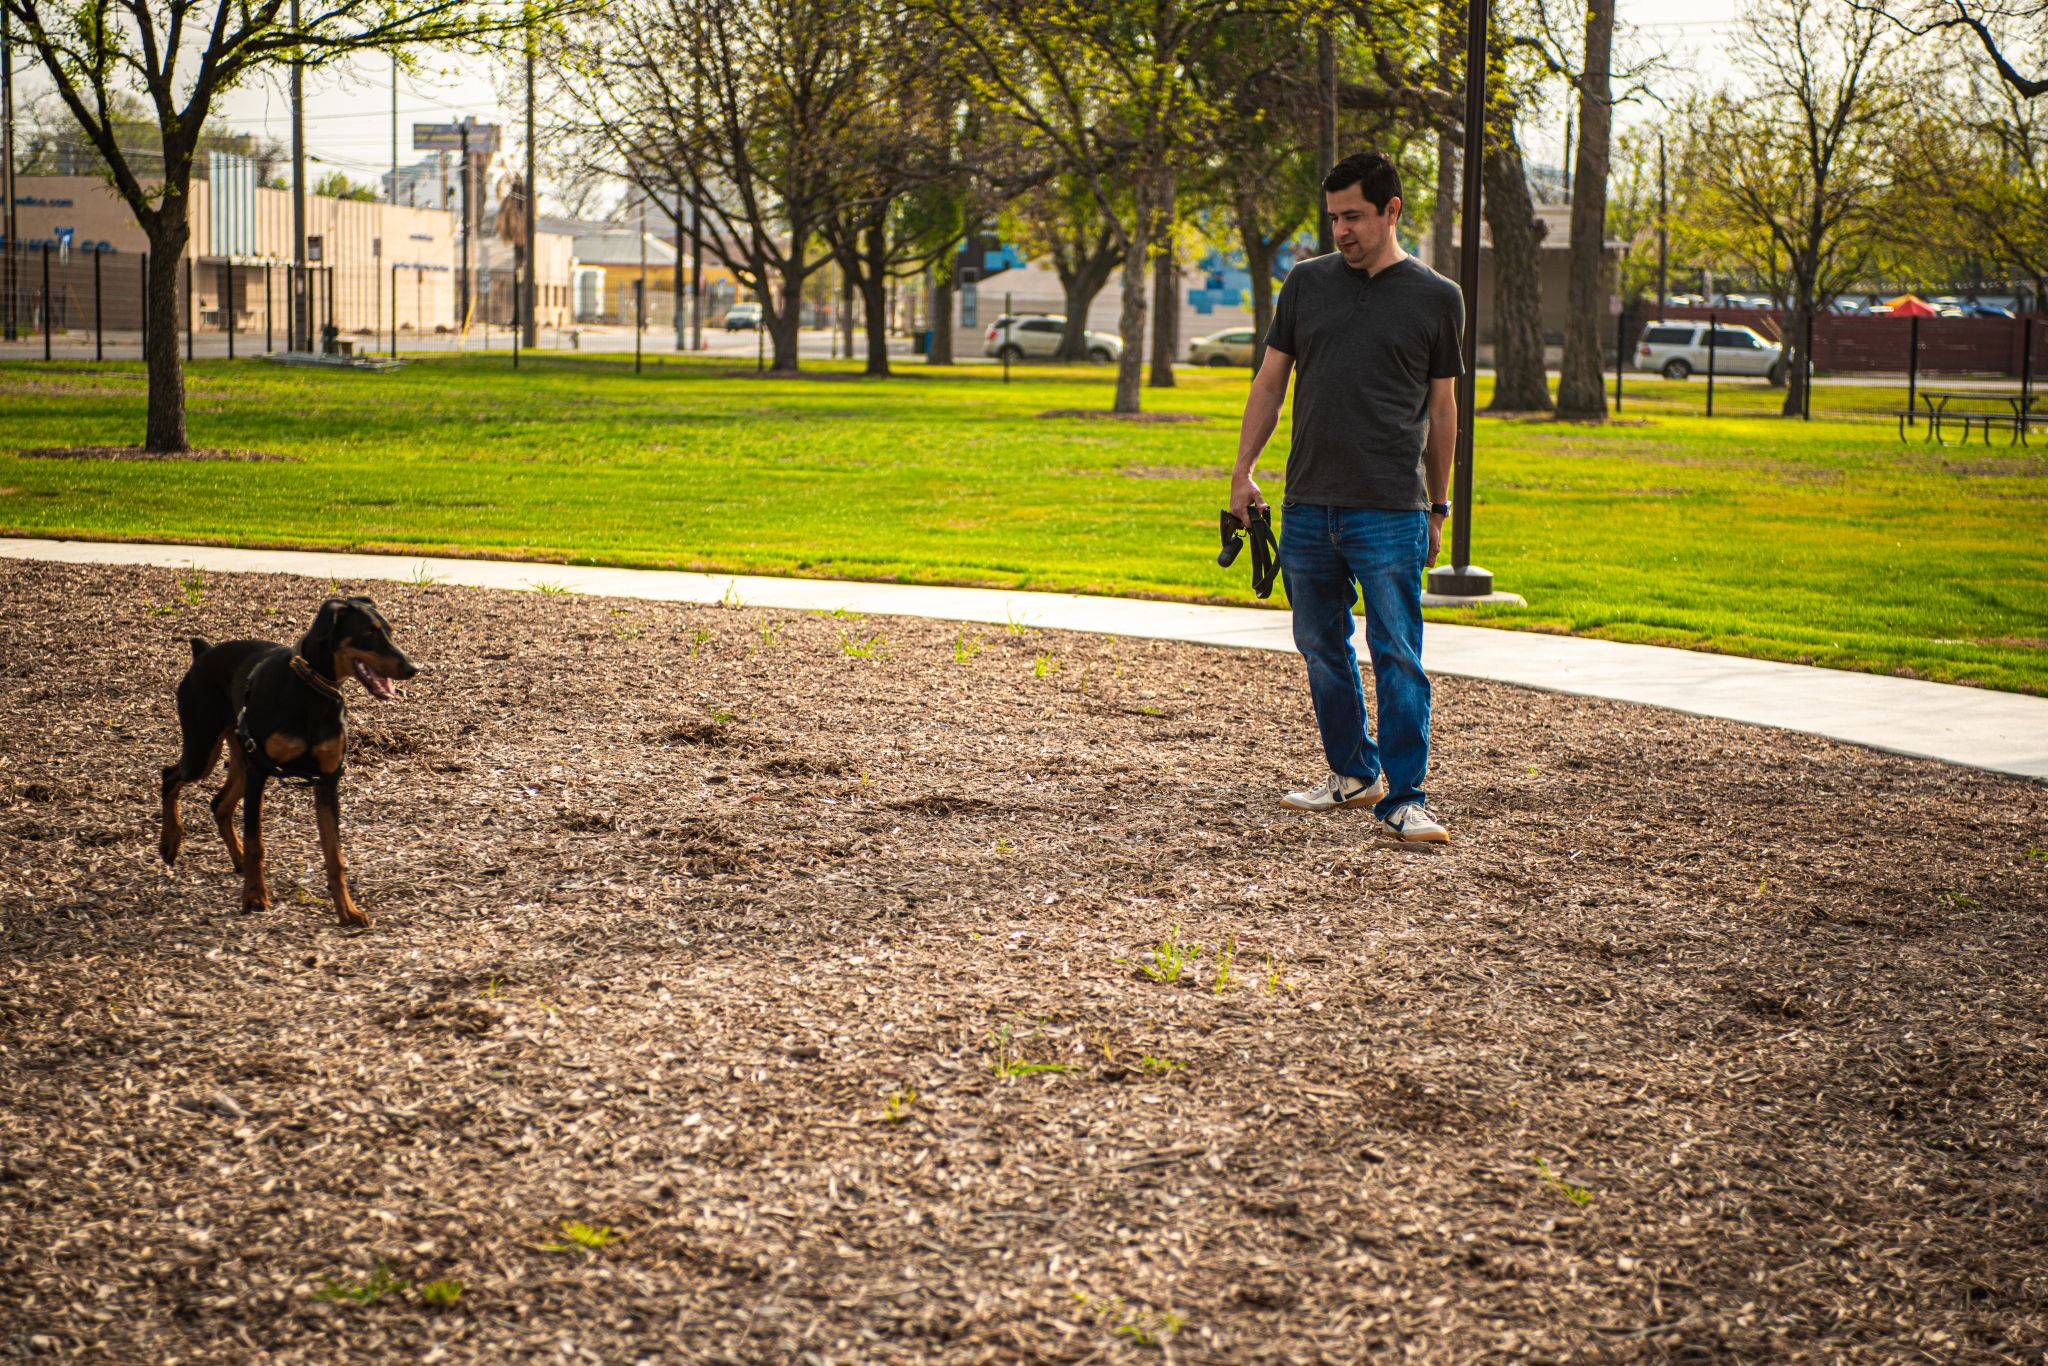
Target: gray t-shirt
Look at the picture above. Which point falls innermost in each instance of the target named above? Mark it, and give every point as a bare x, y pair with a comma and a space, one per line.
1365, 348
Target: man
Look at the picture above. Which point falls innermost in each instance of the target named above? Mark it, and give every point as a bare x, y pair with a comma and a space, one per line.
1376, 335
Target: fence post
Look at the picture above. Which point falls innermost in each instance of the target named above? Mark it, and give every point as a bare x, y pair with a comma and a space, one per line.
269, 330
517, 295
2026, 366
1620, 350
1009, 325
145, 305
99, 316
394, 312
228, 305
191, 313
1713, 338
1912, 368
46, 301
1806, 406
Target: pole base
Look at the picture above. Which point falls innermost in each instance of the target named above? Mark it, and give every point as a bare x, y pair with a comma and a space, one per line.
1460, 581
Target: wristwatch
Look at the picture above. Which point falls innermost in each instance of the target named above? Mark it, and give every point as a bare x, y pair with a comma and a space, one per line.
1439, 509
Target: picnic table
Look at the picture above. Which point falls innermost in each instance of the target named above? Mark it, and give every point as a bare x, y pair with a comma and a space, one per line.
2019, 414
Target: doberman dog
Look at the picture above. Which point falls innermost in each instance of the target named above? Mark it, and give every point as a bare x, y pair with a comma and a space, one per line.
280, 713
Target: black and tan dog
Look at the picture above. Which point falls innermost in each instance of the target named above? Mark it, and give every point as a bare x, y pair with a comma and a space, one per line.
279, 711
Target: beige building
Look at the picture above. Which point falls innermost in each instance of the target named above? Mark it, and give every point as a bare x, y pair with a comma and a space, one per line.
374, 265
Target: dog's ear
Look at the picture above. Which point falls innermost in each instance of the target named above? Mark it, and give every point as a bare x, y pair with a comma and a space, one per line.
319, 637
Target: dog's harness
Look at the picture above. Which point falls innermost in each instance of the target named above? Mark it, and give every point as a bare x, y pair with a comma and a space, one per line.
311, 677
1265, 552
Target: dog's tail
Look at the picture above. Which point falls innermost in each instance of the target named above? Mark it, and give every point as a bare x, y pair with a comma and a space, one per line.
199, 647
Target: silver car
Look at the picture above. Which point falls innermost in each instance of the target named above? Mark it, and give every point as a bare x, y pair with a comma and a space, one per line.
1036, 336
1678, 350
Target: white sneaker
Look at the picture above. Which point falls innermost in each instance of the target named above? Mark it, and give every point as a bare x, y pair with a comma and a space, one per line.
1335, 791
1411, 824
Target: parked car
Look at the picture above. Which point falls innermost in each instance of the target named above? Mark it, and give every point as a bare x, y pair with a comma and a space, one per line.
1231, 346
1036, 336
1678, 350
743, 318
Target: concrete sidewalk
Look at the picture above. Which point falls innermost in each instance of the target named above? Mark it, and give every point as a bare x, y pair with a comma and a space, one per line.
1999, 731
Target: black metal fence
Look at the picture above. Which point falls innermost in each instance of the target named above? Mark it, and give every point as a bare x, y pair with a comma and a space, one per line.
95, 305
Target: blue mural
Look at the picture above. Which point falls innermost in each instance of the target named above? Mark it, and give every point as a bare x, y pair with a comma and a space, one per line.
1227, 284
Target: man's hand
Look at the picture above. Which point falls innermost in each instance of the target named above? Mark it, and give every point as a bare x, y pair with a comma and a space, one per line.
1436, 539
1244, 496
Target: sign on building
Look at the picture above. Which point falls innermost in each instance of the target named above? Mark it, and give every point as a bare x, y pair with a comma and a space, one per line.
447, 137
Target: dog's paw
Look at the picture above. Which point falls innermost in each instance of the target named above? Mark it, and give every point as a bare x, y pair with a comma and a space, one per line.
252, 905
169, 845
353, 918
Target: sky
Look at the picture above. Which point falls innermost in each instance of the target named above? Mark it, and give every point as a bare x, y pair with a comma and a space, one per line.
348, 113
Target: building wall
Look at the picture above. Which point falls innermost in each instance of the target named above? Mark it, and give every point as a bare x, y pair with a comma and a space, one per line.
372, 257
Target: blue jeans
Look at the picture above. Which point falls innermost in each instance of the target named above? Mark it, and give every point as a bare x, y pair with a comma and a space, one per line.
1324, 552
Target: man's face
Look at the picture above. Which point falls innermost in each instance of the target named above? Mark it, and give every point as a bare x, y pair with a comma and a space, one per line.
1358, 227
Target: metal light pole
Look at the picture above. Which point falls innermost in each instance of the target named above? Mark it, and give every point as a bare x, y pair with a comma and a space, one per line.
1461, 578
530, 299
300, 291
12, 252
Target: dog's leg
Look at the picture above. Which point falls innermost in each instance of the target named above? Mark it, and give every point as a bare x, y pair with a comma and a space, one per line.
254, 896
194, 764
327, 812
224, 802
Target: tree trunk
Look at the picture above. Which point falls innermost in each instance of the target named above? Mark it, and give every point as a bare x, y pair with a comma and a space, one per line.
1165, 315
873, 290
786, 322
165, 425
1131, 324
1796, 397
1443, 218
1258, 261
941, 320
1080, 283
1519, 383
1581, 383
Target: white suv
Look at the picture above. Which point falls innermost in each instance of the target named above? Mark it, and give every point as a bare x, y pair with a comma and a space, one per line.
1679, 350
1037, 336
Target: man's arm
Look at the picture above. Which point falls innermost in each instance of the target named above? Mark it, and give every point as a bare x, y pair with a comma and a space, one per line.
1261, 415
1440, 453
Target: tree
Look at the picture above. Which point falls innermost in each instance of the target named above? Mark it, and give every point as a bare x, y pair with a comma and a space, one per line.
1581, 389
743, 109
1984, 159
1061, 222
336, 185
1107, 90
180, 57
1792, 173
1988, 22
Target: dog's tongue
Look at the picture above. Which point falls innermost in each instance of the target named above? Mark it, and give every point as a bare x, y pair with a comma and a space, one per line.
378, 684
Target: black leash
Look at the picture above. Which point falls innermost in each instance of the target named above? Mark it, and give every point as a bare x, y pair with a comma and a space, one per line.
1265, 551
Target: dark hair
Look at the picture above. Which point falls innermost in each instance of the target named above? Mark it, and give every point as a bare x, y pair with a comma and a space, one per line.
1373, 174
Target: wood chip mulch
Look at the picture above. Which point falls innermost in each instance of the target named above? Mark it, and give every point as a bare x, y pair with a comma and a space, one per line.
737, 998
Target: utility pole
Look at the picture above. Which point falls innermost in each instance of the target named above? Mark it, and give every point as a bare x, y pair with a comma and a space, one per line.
529, 305
682, 323
393, 196
301, 321
12, 252
1663, 237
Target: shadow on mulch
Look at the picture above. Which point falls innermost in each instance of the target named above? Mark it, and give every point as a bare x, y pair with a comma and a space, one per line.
982, 1002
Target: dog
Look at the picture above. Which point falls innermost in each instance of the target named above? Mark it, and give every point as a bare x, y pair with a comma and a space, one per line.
279, 712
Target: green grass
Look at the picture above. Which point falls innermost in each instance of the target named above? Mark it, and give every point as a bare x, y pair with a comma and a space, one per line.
1826, 542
